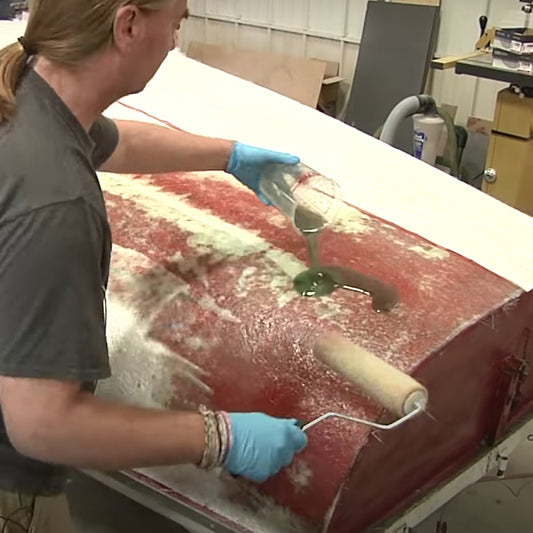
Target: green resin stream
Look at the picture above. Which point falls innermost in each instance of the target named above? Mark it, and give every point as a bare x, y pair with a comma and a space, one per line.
322, 280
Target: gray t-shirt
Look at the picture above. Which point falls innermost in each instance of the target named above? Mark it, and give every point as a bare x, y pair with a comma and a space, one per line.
55, 245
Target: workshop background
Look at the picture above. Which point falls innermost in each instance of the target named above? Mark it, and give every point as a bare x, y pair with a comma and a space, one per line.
332, 31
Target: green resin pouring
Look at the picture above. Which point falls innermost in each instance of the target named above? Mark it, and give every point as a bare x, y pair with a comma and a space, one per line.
312, 201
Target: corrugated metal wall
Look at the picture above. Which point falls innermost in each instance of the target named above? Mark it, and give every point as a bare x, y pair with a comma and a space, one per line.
331, 30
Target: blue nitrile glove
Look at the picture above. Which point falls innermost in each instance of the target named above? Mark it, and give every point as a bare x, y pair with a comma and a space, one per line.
247, 162
262, 445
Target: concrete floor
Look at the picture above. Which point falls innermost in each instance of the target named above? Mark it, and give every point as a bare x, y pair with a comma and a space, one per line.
486, 507
97, 509
502, 506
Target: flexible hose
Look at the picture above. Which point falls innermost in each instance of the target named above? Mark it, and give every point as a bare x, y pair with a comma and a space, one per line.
462, 139
452, 141
406, 108
415, 104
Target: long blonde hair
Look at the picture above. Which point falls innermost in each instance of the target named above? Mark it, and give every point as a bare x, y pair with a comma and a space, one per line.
63, 31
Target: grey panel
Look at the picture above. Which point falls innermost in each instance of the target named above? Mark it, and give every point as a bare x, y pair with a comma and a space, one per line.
396, 50
6, 11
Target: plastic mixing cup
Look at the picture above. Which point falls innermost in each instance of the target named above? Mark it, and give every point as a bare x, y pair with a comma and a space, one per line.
294, 188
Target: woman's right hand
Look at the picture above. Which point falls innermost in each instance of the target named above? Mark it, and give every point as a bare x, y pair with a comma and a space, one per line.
262, 445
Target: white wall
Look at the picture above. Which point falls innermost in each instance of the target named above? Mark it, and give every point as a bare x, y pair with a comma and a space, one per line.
331, 30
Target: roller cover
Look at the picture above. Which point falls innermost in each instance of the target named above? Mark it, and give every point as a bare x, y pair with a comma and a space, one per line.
396, 391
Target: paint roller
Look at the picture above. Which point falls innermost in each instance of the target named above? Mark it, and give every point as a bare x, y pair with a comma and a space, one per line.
398, 392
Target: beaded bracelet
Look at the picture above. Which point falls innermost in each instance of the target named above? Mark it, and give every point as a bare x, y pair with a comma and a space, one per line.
217, 438
224, 431
209, 457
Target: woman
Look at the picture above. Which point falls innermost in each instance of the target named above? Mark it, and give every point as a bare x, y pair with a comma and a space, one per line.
75, 59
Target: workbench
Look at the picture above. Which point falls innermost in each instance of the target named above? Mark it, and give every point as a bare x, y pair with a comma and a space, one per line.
481, 67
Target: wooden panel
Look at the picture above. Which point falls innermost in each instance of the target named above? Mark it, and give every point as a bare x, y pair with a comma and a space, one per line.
513, 160
448, 62
297, 78
514, 115
485, 100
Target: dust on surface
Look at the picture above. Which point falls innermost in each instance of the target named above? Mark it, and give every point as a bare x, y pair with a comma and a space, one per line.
144, 370
349, 219
210, 234
230, 498
430, 252
300, 474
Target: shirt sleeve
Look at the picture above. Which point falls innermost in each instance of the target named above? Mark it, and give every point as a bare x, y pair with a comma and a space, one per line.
52, 318
105, 136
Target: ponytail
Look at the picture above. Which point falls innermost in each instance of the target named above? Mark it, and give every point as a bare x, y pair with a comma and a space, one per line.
12, 62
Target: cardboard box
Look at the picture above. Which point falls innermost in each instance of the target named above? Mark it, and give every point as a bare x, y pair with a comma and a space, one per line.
515, 40
511, 61
329, 94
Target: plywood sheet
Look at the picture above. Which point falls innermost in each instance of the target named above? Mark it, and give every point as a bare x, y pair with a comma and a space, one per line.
296, 77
